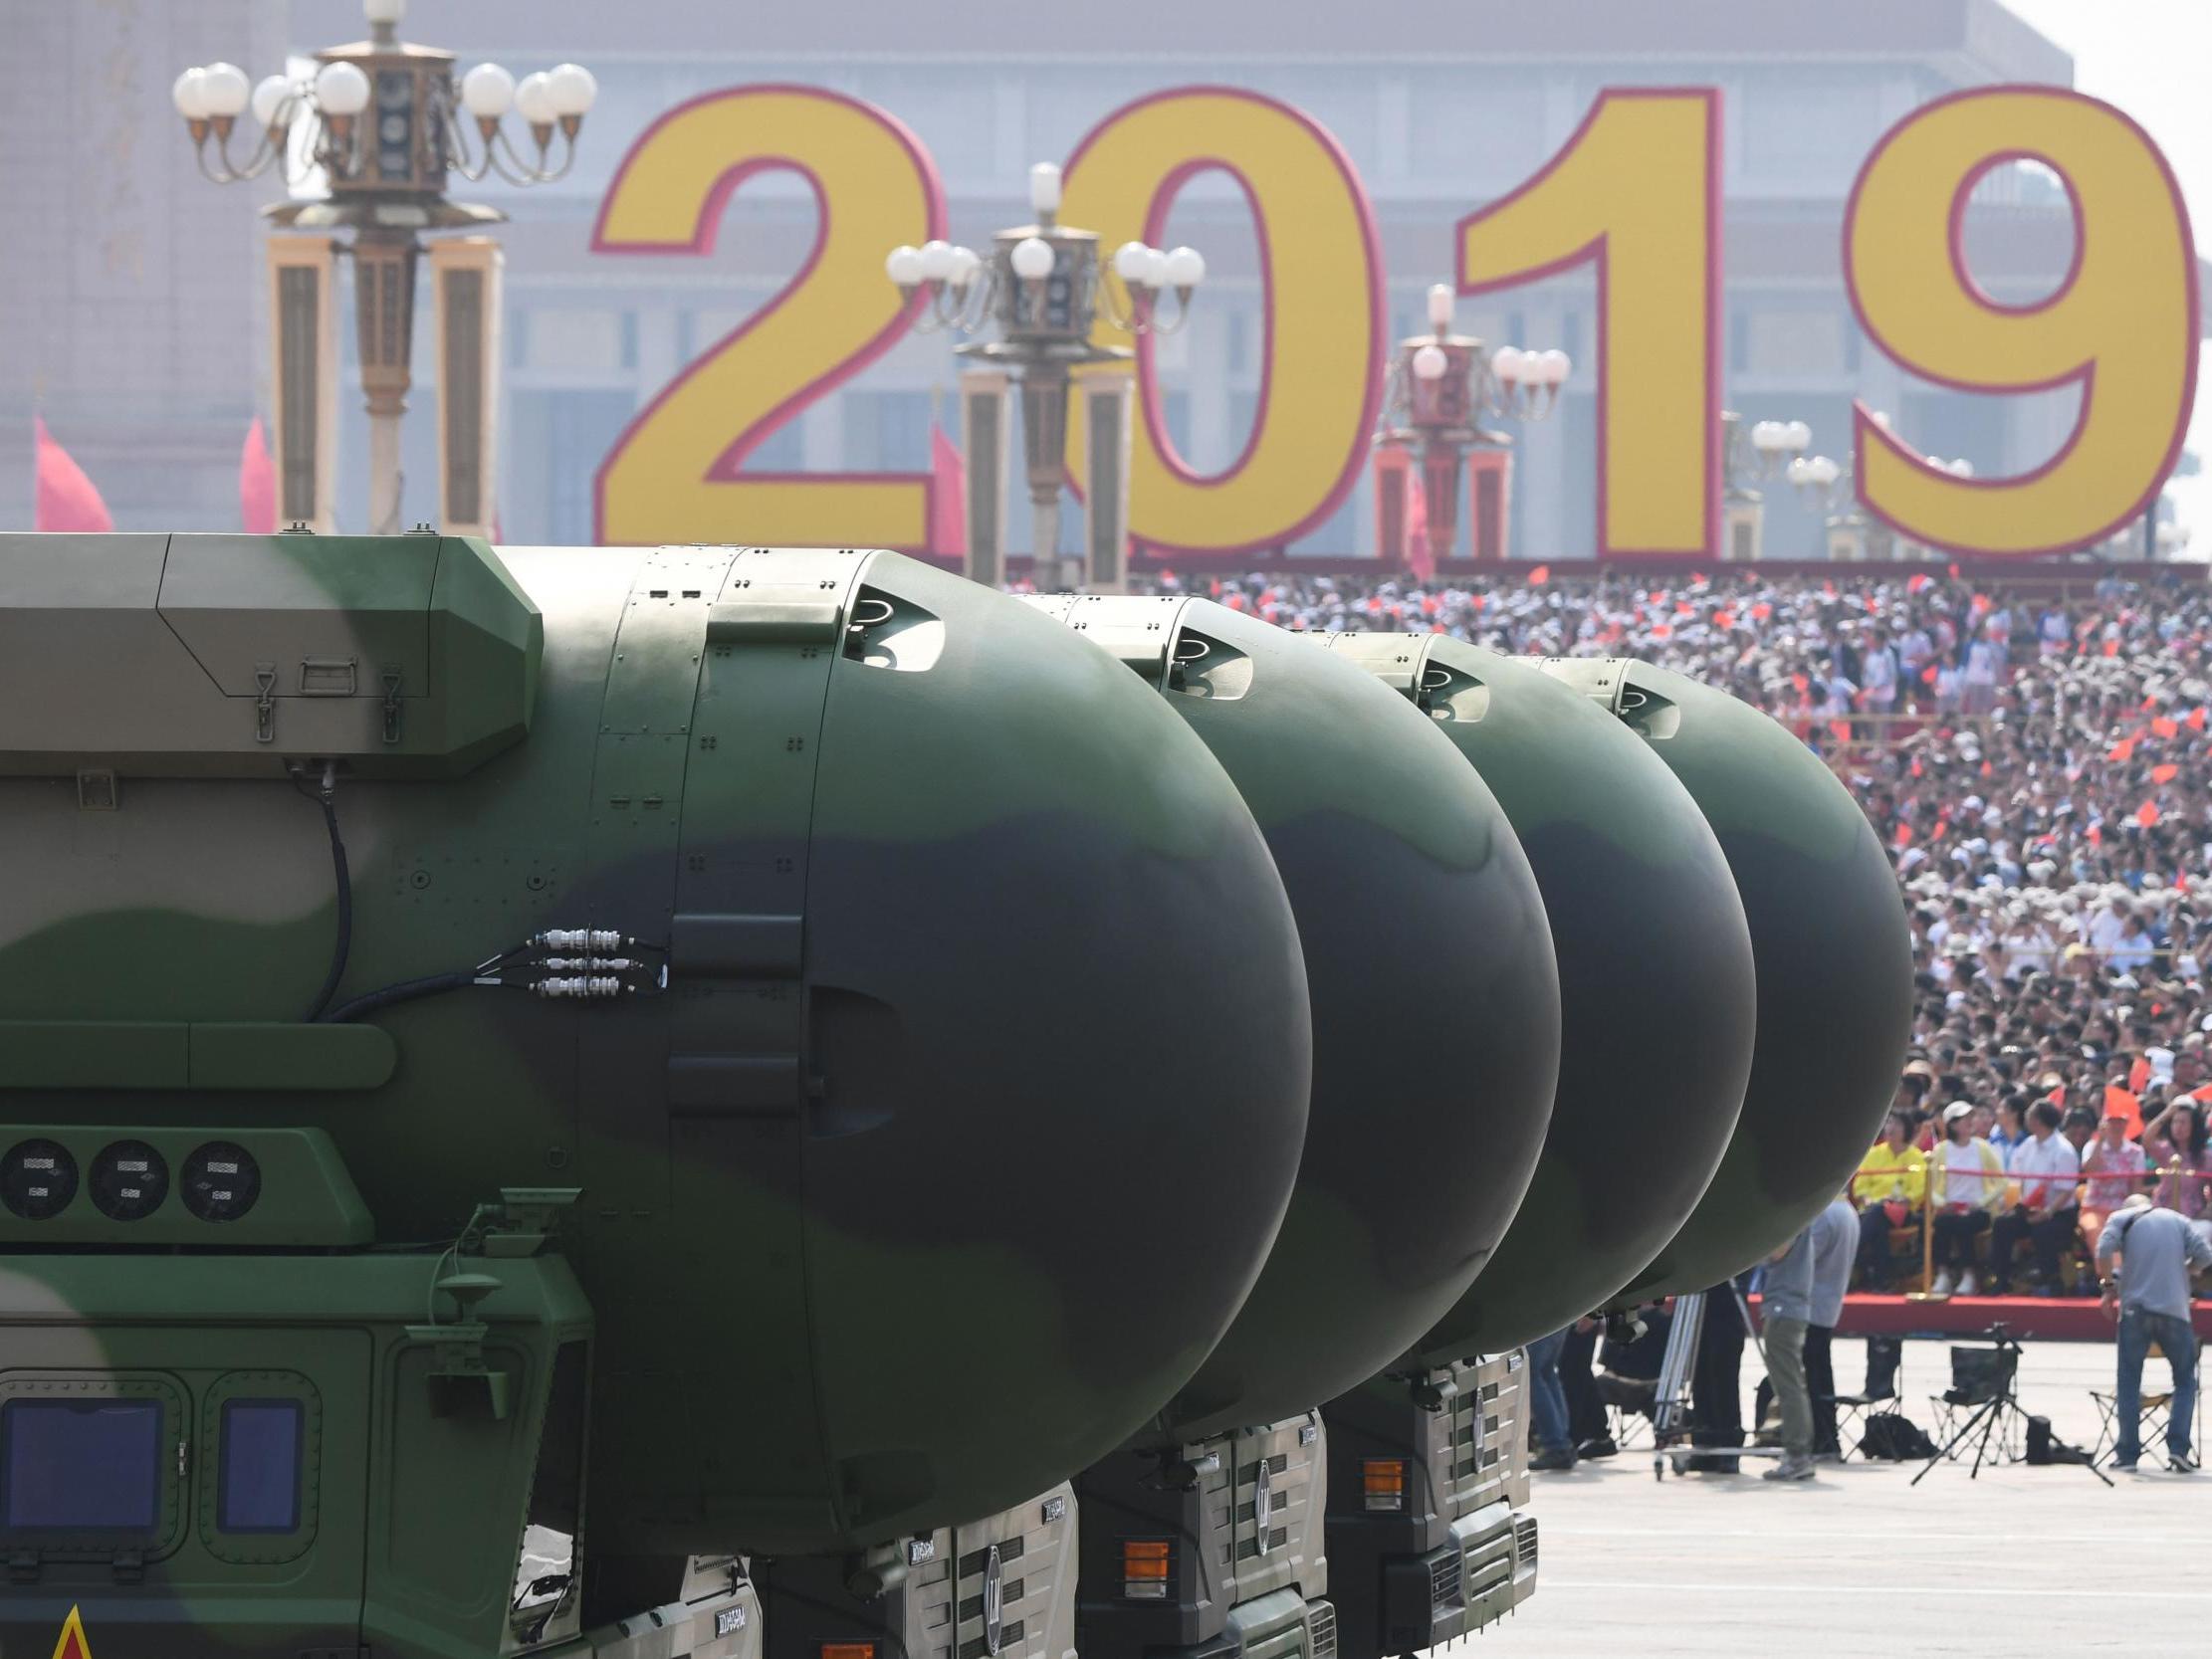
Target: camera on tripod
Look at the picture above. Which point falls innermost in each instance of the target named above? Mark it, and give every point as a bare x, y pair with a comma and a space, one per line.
1984, 1382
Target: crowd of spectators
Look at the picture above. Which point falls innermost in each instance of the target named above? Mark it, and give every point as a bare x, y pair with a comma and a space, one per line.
2037, 763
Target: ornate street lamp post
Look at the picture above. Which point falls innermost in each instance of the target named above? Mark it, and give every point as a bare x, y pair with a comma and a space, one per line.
384, 121
1751, 455
1045, 286
1440, 386
1849, 535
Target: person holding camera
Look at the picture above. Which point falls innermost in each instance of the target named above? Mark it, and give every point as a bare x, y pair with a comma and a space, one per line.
2143, 1258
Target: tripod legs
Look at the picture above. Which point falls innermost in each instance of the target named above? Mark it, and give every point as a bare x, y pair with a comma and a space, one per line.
1988, 1419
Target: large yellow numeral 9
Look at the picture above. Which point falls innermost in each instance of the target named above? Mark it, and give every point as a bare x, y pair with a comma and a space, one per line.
2122, 324
1321, 271
673, 474
1636, 189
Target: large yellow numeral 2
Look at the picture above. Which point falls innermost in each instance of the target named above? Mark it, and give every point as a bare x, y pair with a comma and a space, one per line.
673, 474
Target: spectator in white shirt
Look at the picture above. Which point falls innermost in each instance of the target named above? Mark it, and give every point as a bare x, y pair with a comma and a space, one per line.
1966, 1189
2046, 1166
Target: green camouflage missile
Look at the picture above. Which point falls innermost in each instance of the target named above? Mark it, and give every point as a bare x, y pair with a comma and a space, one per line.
1656, 997
867, 951
1828, 935
1435, 1000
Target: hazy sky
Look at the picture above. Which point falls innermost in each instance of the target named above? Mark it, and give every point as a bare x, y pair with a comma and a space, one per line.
2153, 58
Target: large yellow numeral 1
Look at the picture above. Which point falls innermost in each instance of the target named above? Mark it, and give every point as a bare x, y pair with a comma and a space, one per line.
673, 474
2122, 324
1636, 189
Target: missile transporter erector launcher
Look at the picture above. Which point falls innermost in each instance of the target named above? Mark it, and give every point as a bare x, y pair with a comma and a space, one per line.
772, 899
614, 1101
1427, 1459
1436, 1020
1831, 950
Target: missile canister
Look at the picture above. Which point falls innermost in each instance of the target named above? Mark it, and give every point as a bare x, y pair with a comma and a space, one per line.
1655, 978
1435, 1000
909, 991
1829, 937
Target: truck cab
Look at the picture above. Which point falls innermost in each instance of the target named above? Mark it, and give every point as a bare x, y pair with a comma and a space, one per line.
223, 1411
1429, 1523
1210, 1550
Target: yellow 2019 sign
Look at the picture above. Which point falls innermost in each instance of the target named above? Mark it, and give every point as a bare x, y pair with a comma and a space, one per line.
1634, 194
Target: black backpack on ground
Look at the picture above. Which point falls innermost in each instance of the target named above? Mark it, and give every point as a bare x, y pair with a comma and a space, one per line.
1893, 1437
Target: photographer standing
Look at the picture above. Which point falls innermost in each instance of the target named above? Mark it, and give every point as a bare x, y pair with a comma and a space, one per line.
2155, 1249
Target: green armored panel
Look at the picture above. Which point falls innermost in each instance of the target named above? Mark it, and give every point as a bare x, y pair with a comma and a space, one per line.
286, 1463
1828, 940
966, 938
237, 656
1656, 995
1435, 1000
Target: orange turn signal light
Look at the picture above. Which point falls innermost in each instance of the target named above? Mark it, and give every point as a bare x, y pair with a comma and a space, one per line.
1383, 1483
1144, 1567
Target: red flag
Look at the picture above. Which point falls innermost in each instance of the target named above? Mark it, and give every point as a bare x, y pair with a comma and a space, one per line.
2147, 814
2164, 774
1420, 556
1928, 674
2194, 720
948, 495
1842, 729
1917, 581
65, 497
1539, 576
2166, 727
2123, 750
257, 485
1761, 611
1904, 834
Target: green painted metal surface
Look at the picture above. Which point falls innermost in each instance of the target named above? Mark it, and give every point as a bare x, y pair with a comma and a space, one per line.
1833, 960
973, 953
1436, 998
1657, 1002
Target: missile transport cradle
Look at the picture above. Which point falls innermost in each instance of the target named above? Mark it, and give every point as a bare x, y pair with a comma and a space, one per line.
775, 1101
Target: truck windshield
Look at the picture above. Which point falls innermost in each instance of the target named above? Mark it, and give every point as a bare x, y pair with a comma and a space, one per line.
81, 1465
260, 1487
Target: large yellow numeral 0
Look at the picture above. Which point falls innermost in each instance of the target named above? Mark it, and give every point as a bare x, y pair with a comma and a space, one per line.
1322, 301
2122, 324
1638, 190
673, 473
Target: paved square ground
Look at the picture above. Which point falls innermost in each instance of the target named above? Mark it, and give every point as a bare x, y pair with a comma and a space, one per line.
2022, 1560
